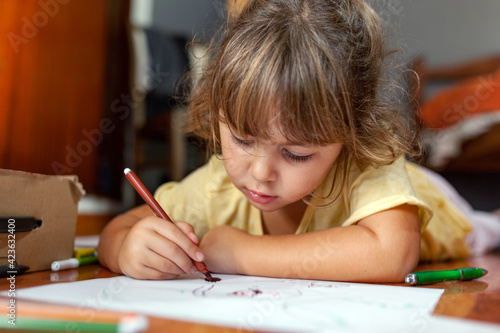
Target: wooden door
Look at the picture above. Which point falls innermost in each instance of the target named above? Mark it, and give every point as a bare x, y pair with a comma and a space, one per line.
53, 79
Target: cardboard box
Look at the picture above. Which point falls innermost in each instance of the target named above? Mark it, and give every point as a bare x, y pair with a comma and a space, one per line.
53, 200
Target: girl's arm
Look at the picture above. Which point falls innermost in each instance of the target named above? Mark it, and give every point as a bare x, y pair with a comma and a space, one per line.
383, 247
143, 246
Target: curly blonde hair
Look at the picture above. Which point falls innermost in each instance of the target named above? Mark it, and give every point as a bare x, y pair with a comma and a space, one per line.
316, 67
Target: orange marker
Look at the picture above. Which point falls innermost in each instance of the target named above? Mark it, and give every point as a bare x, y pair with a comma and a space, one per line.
159, 212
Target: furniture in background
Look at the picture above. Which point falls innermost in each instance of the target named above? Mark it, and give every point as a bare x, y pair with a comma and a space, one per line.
459, 109
56, 79
157, 143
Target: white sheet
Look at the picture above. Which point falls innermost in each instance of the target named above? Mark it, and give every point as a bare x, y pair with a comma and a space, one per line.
251, 302
259, 303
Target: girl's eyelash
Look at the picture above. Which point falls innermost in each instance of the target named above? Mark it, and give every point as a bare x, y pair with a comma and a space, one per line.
286, 153
295, 158
242, 142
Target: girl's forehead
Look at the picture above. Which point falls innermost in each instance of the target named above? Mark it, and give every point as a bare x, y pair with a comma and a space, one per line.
272, 133
269, 127
278, 119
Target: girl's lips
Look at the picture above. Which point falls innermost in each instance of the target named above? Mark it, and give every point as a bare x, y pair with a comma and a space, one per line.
259, 197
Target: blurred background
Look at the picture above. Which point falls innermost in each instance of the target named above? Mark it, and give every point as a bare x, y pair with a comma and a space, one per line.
87, 88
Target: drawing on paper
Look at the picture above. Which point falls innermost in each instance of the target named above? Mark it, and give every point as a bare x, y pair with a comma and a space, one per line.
253, 303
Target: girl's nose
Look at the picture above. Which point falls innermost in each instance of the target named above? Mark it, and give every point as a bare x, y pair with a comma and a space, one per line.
263, 169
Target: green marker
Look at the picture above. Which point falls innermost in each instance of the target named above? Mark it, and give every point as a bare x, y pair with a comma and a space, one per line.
127, 324
73, 263
429, 277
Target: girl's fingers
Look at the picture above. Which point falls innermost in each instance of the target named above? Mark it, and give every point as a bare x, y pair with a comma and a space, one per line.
156, 249
162, 267
169, 256
178, 236
149, 273
188, 231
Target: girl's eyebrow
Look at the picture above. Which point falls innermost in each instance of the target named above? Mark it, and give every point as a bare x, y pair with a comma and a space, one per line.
282, 143
285, 142
294, 144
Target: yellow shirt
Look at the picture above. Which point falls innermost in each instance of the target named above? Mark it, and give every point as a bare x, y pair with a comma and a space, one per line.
207, 198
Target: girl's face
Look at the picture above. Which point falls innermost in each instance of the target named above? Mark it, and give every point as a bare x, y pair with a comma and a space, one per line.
275, 173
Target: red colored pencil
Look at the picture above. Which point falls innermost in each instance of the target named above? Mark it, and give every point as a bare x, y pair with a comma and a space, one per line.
159, 212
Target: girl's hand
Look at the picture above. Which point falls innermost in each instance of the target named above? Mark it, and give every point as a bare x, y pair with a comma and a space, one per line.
156, 249
221, 246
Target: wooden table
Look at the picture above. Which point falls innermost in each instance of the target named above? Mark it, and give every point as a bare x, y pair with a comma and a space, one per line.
476, 300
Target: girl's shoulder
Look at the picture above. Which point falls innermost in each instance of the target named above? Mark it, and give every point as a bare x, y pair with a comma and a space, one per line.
365, 178
387, 182
372, 190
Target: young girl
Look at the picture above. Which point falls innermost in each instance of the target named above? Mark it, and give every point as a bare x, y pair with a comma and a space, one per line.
309, 178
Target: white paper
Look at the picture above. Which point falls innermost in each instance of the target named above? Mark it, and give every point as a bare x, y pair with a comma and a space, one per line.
255, 303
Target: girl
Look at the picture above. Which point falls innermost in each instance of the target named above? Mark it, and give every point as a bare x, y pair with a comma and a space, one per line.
309, 178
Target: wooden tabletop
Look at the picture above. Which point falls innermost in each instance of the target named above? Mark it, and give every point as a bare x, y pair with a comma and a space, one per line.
477, 300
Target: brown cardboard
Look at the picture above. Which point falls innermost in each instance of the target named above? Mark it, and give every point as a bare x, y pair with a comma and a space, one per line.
51, 199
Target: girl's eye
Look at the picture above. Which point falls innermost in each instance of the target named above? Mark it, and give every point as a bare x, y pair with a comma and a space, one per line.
242, 142
295, 158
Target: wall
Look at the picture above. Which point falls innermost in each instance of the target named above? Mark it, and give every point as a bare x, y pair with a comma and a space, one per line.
444, 31
181, 17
